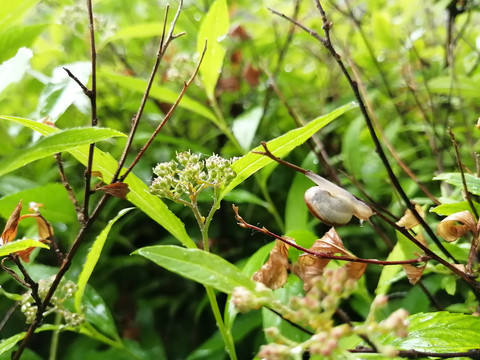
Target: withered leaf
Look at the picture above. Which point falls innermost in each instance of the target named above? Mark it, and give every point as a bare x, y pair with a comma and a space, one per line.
251, 75
10, 231
355, 270
414, 273
273, 273
451, 231
45, 230
408, 220
119, 190
330, 243
310, 267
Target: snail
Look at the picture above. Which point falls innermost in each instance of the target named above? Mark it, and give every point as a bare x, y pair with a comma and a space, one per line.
333, 205
328, 202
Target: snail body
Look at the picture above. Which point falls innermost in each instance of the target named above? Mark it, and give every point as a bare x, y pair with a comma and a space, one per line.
332, 204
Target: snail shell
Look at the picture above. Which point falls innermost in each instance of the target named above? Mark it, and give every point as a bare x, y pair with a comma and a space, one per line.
332, 204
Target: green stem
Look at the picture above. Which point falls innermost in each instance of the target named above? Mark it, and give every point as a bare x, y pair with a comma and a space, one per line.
204, 226
55, 337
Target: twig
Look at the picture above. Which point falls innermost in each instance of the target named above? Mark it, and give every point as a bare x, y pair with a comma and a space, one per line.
325, 41
58, 277
167, 116
69, 189
323, 255
414, 354
462, 174
162, 48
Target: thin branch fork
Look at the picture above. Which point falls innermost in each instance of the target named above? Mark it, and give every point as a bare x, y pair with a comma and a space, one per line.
164, 42
186, 85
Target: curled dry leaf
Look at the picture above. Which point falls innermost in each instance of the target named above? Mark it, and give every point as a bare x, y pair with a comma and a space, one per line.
273, 273
310, 266
408, 220
414, 273
355, 270
451, 231
10, 231
119, 190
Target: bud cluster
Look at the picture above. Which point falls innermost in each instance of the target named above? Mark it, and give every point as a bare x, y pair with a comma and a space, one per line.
184, 178
65, 291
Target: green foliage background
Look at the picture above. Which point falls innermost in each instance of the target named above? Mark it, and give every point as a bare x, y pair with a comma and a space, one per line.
397, 50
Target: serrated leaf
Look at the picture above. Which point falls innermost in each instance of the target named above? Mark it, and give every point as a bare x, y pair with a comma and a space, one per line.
440, 332
138, 195
198, 265
251, 163
159, 93
213, 29
55, 143
455, 179
20, 245
92, 259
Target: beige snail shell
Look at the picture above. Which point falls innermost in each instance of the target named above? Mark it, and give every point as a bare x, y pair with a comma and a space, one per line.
332, 204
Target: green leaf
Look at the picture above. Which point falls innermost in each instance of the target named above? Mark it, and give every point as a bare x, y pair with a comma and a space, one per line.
92, 259
440, 332
11, 296
251, 163
13, 11
198, 265
57, 205
136, 31
465, 86
13, 70
404, 249
245, 126
213, 29
449, 209
61, 91
20, 245
138, 195
97, 313
15, 37
55, 143
159, 93
455, 179
296, 212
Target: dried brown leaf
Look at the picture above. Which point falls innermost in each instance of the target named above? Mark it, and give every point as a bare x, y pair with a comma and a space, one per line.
330, 243
451, 231
10, 230
408, 220
119, 190
273, 273
45, 230
414, 273
310, 267
355, 270
251, 75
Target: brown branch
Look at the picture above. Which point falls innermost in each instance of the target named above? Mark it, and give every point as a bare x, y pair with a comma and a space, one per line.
462, 174
323, 255
325, 41
58, 277
414, 354
162, 48
68, 188
165, 119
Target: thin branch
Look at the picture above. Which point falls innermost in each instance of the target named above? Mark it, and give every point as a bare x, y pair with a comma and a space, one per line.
68, 188
328, 45
414, 354
162, 48
167, 116
323, 255
93, 104
462, 174
58, 277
